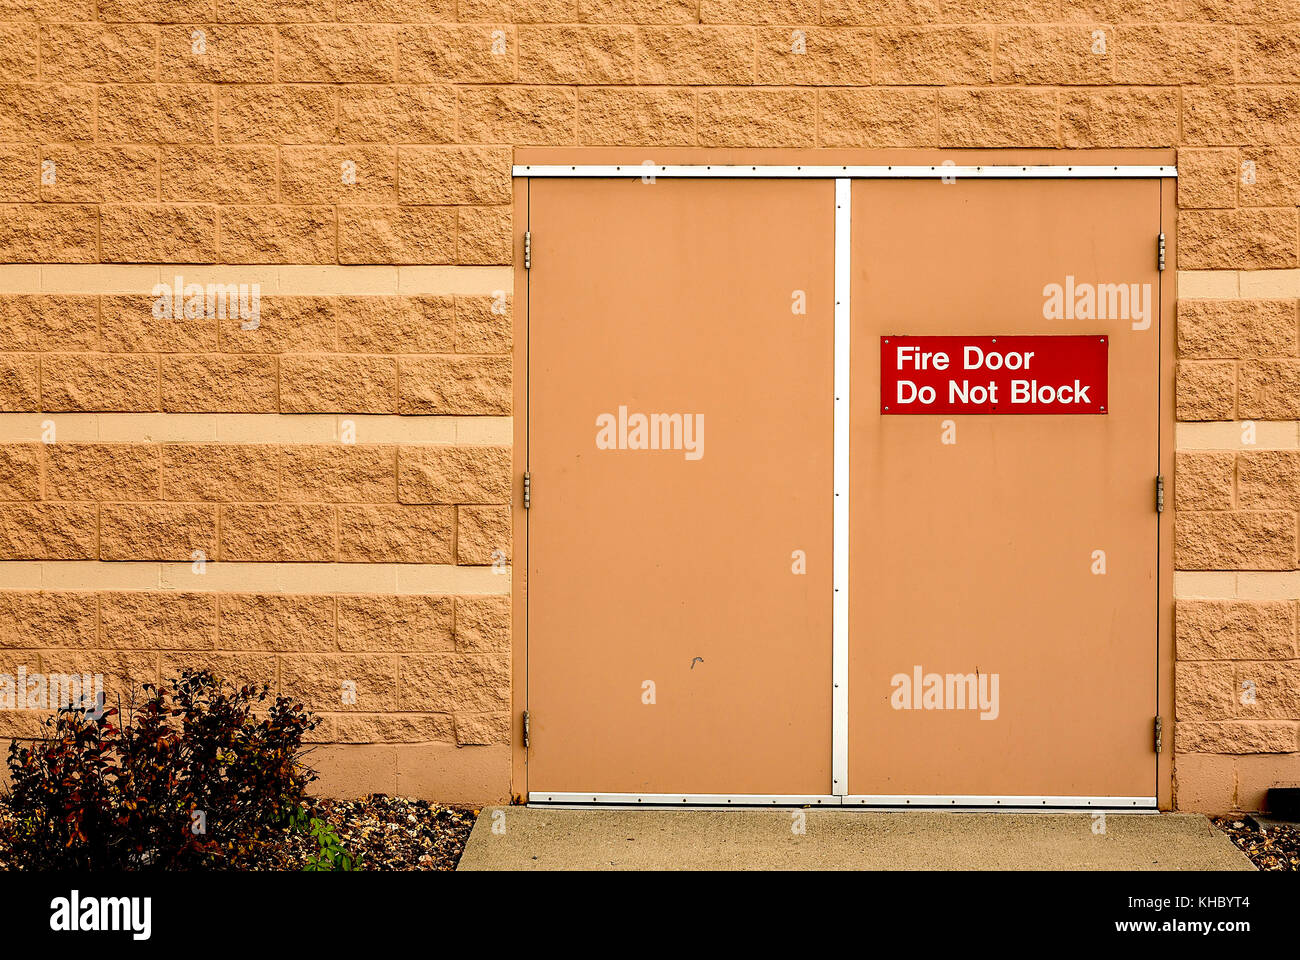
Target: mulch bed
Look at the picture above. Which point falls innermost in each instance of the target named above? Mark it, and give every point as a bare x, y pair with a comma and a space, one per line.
388, 833
1271, 845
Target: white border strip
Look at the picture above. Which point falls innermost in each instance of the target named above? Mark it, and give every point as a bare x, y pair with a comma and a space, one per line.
840, 533
814, 800
930, 172
688, 799
1026, 802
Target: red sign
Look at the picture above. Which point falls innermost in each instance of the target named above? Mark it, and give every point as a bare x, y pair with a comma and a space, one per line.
993, 374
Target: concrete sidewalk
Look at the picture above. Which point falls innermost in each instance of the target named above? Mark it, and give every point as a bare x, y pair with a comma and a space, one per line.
535, 838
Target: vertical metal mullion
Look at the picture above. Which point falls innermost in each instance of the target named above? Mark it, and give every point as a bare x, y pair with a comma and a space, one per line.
840, 536
528, 456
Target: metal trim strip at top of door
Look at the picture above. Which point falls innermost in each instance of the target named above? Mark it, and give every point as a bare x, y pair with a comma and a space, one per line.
916, 172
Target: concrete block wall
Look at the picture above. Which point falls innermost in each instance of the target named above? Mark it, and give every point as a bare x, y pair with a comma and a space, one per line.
344, 466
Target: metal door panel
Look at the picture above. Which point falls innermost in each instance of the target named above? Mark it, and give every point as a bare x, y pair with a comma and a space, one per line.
978, 556
680, 296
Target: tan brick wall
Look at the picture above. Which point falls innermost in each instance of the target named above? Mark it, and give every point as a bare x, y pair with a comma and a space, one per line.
1237, 487
202, 435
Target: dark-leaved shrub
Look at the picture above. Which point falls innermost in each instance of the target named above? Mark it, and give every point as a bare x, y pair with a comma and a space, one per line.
199, 777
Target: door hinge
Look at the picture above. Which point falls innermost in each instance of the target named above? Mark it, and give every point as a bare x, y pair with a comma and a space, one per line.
528, 250
528, 490
1160, 255
1160, 727
1160, 493
525, 729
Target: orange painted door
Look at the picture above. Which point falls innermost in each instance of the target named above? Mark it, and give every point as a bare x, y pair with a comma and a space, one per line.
1015, 548
679, 566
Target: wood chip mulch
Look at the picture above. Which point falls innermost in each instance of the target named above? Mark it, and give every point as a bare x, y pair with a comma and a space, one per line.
1270, 844
388, 833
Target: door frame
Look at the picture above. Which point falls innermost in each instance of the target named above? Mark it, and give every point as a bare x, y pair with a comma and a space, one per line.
843, 166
